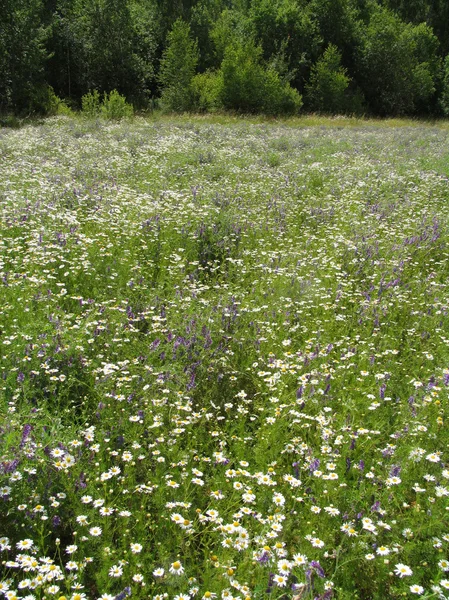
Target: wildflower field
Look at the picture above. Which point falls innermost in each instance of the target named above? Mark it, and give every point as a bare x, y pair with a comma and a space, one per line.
224, 361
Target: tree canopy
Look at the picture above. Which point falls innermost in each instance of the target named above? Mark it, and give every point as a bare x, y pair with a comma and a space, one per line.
381, 57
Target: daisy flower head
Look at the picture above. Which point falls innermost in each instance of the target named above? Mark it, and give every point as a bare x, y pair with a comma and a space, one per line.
4, 587
417, 589
115, 571
284, 566
403, 570
280, 580
25, 544
53, 589
393, 481
136, 548
445, 584
176, 568
278, 499
444, 564
159, 572
433, 457
95, 531
300, 560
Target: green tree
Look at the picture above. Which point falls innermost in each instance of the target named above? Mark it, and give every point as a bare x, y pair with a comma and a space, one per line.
231, 27
328, 84
104, 45
397, 64
22, 57
287, 28
444, 100
204, 15
178, 66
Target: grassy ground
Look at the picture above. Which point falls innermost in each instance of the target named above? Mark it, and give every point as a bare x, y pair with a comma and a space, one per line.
224, 359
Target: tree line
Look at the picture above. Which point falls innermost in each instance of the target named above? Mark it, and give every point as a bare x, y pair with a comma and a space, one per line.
380, 57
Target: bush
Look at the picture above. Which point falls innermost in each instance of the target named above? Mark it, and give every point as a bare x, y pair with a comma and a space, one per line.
328, 84
43, 101
250, 87
280, 98
113, 106
207, 90
56, 106
91, 104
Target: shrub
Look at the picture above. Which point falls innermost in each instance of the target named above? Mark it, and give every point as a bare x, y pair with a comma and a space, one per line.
91, 104
280, 97
250, 87
115, 107
56, 106
207, 90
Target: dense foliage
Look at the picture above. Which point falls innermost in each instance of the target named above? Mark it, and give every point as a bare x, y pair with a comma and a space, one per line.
384, 57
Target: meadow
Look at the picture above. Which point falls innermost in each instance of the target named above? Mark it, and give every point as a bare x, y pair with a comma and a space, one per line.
224, 360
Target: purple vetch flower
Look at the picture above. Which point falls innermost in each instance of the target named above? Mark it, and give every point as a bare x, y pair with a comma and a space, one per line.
81, 483
25, 434
382, 389
318, 568
56, 521
375, 507
314, 464
9, 467
126, 592
395, 470
411, 403
270, 583
191, 383
155, 344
